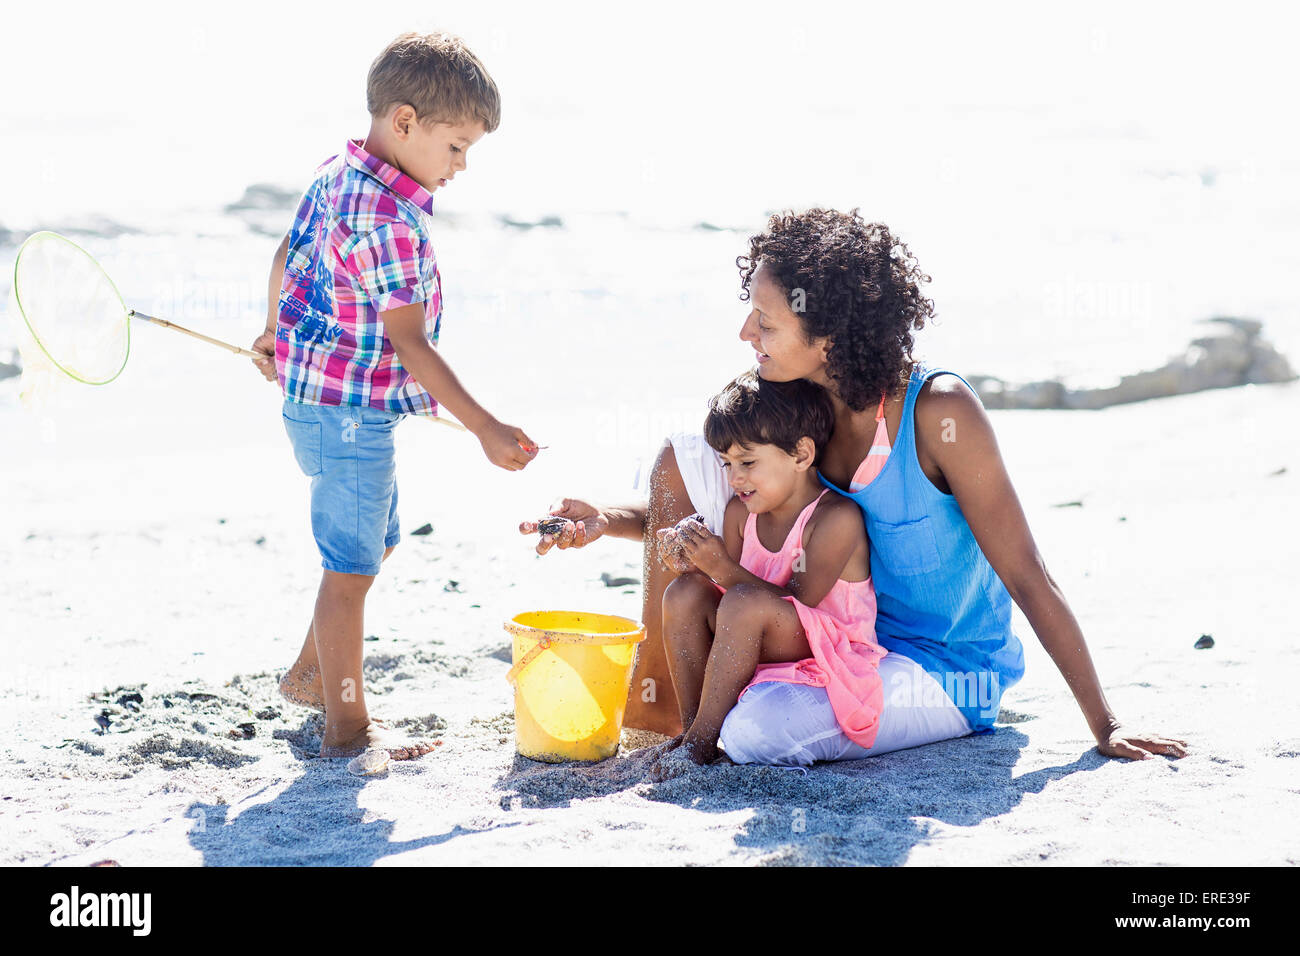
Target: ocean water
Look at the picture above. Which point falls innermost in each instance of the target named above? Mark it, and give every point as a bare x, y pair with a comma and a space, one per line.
1083, 187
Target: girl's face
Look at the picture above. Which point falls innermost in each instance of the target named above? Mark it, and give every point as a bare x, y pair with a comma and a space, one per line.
764, 477
776, 334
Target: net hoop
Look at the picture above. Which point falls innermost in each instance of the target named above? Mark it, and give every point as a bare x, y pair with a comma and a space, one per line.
46, 235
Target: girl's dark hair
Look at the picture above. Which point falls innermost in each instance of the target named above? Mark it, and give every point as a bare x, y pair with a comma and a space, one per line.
751, 411
852, 281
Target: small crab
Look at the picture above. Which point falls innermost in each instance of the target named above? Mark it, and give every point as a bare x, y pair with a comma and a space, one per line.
551, 525
688, 519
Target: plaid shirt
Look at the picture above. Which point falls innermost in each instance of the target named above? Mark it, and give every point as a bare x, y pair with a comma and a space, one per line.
359, 246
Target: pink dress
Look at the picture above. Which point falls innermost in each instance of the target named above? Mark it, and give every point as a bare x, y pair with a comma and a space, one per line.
841, 630
841, 633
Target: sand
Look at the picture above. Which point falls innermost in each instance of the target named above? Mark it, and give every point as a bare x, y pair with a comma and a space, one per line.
161, 581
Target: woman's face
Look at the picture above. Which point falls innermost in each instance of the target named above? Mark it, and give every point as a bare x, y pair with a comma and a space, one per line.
775, 332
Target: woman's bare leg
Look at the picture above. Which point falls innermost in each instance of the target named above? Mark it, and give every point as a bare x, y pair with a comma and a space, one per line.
652, 701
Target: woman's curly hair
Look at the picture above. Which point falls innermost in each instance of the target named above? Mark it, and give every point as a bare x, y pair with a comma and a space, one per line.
861, 287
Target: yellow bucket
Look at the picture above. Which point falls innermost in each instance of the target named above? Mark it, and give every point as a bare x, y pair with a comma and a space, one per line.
571, 675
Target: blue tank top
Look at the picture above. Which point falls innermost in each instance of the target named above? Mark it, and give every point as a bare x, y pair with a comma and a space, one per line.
939, 600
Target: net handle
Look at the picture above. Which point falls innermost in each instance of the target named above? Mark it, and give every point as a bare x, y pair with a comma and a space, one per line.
164, 323
235, 349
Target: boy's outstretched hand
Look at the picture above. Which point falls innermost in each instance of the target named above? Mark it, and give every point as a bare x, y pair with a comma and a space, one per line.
506, 446
265, 343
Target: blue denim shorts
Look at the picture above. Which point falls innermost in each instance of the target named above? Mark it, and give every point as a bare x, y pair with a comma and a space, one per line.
348, 453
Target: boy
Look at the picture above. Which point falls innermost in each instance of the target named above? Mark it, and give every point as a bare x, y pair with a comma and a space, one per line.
356, 303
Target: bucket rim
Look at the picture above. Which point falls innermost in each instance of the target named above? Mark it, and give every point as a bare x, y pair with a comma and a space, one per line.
634, 635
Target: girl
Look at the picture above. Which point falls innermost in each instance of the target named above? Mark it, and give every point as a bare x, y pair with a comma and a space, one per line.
785, 594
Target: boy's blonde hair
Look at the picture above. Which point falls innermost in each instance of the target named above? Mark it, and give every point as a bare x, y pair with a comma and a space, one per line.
438, 75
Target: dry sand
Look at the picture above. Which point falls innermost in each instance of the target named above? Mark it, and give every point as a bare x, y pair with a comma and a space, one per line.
148, 578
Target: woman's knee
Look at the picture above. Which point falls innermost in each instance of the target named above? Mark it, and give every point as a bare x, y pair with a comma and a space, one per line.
761, 729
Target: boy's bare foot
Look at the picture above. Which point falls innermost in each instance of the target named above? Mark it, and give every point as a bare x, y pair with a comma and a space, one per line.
301, 686
374, 737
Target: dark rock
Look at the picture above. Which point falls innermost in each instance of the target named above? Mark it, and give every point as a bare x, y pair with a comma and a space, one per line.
263, 197
423, 530
267, 713
612, 582
131, 701
1203, 642
452, 587
546, 222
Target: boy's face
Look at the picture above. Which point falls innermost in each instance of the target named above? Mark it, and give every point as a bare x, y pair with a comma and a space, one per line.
763, 476
776, 334
431, 153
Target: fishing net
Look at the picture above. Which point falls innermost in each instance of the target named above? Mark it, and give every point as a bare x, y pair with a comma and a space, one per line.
74, 321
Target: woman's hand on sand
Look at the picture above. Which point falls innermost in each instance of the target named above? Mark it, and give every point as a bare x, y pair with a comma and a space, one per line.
265, 343
506, 446
1138, 746
584, 523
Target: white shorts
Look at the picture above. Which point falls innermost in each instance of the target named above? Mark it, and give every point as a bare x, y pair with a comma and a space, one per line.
793, 724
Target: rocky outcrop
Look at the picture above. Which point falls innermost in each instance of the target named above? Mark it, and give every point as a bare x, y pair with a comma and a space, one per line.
10, 368
1234, 355
265, 209
264, 197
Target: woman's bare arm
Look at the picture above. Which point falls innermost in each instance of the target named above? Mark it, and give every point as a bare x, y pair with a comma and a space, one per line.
954, 432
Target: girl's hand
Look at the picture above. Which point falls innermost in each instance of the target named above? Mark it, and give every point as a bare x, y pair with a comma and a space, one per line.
705, 549
669, 546
1138, 746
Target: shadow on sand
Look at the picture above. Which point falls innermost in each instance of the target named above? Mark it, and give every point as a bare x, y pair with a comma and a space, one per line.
315, 821
859, 812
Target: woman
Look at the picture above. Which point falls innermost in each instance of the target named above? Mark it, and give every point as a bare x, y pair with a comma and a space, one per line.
836, 300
